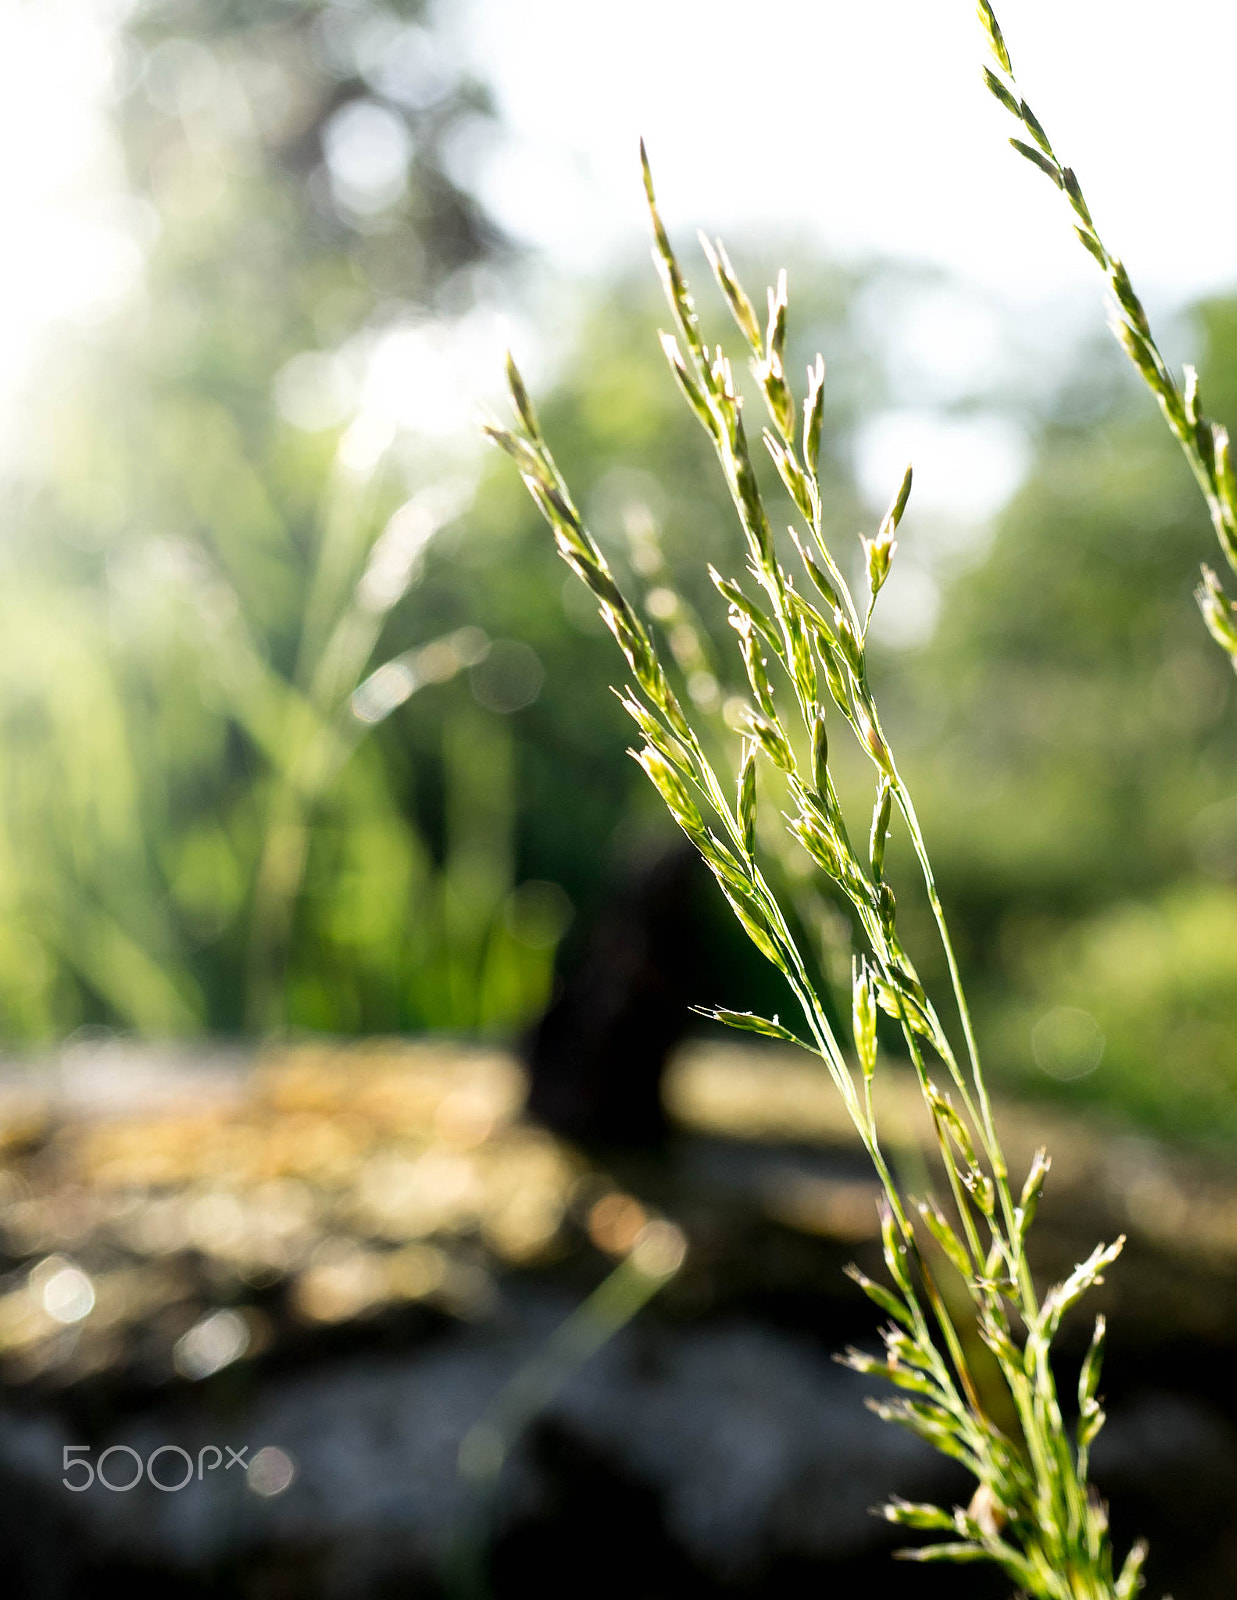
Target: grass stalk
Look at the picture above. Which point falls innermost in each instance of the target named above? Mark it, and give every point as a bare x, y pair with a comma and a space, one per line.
803, 649
1204, 443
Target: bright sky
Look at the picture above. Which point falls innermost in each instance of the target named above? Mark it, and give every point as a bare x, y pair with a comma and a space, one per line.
867, 122
866, 125
70, 250
862, 124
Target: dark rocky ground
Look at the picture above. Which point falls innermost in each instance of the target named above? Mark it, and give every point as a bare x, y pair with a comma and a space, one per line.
336, 1259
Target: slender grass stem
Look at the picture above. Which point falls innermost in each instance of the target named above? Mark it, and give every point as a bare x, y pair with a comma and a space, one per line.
1034, 1514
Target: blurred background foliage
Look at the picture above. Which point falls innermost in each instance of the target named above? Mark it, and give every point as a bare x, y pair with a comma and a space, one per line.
305, 726
1081, 773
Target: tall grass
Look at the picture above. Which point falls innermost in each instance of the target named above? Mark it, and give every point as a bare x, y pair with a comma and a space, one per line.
198, 830
802, 636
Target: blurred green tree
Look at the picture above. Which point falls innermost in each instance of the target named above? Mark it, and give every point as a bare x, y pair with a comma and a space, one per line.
1081, 774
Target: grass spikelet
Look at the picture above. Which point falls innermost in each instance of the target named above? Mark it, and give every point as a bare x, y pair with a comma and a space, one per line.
1203, 442
1033, 1512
